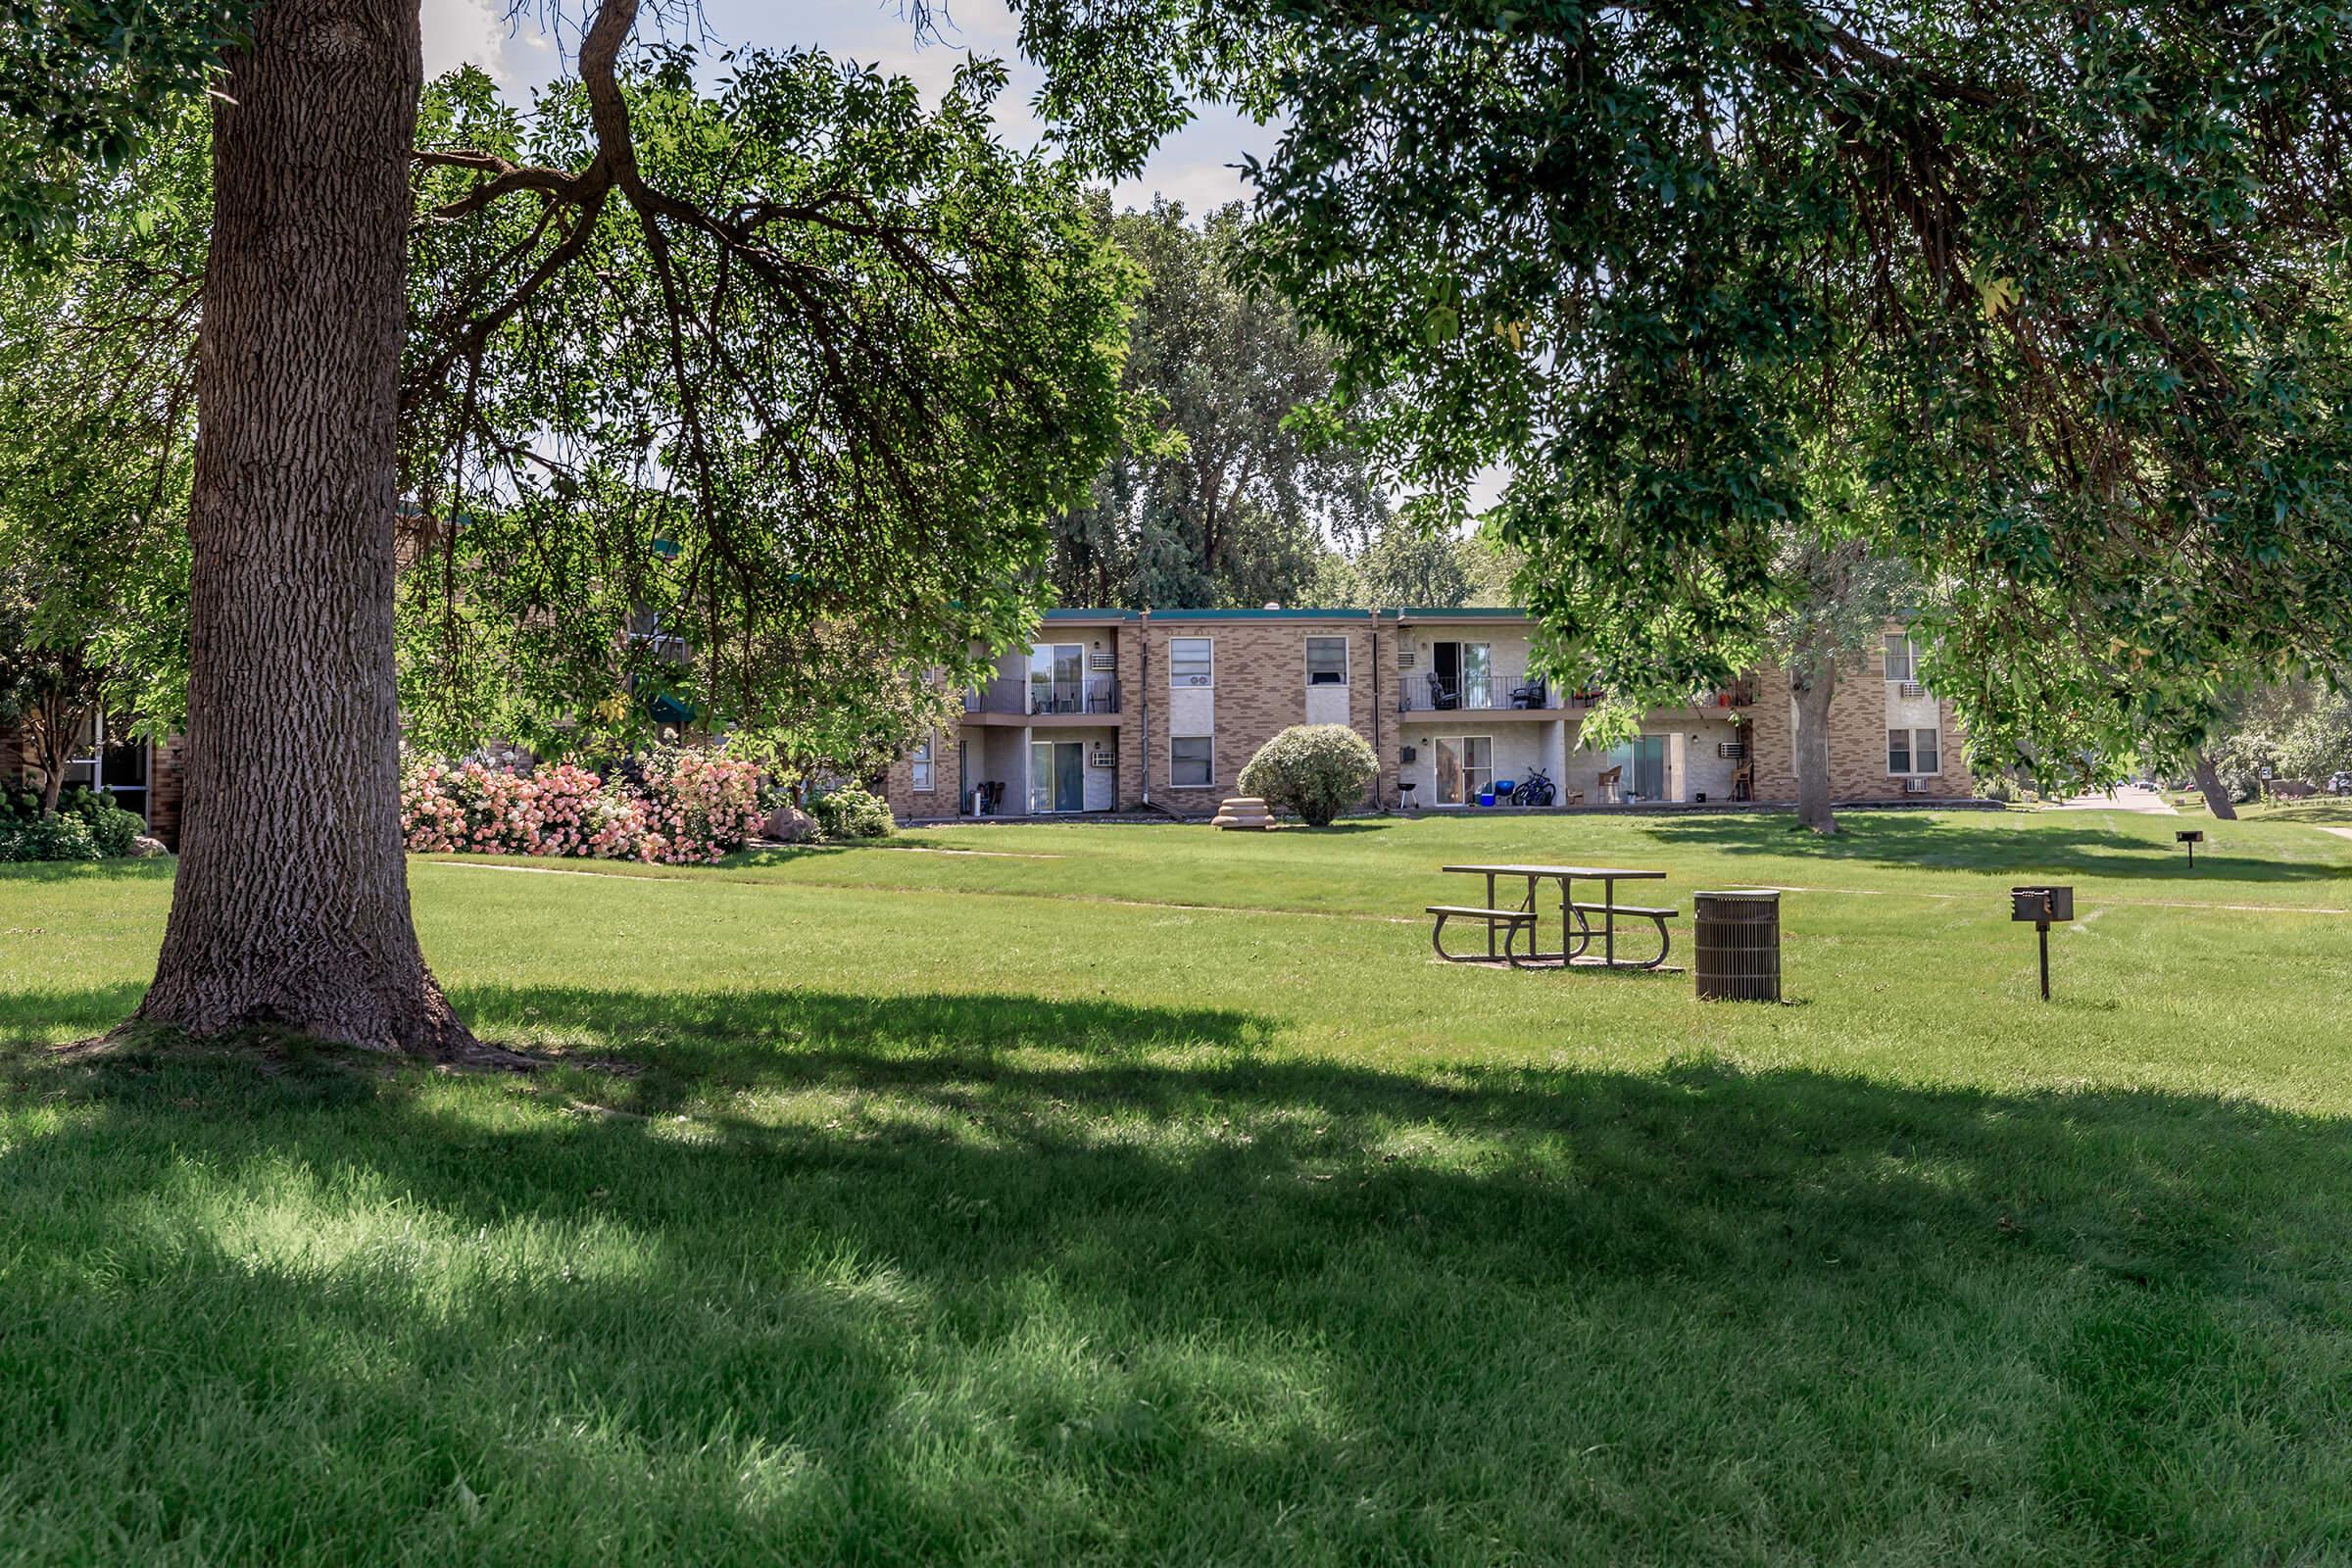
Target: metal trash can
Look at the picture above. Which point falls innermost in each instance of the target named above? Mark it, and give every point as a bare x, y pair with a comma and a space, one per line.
1737, 936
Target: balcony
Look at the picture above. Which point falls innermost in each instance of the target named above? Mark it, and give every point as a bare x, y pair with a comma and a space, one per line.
1446, 694
1740, 693
1437, 694
1024, 699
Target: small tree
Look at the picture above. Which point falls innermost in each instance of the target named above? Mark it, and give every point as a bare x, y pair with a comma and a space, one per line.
1317, 771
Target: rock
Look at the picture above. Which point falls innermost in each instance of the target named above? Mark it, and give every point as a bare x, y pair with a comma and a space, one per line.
1243, 811
144, 848
789, 824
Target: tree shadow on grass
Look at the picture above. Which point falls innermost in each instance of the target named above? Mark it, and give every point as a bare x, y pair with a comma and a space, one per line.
1983, 844
1129, 1282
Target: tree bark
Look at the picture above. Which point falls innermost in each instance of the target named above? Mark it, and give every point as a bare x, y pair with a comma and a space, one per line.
2210, 785
291, 907
1809, 744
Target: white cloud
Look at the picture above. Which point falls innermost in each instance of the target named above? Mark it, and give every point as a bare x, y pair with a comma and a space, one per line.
472, 32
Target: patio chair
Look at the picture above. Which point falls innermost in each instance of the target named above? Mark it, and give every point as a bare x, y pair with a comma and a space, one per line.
1531, 694
1441, 693
1608, 782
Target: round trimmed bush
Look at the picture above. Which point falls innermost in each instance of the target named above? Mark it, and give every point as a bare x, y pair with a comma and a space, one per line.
1314, 770
851, 812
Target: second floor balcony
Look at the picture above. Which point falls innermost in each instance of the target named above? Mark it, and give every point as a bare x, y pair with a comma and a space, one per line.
1016, 697
1443, 694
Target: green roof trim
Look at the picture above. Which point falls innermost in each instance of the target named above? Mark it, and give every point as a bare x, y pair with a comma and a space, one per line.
1465, 612
1080, 612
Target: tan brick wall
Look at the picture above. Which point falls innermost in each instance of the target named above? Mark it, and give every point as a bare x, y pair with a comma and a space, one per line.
1260, 690
167, 780
1132, 676
1857, 740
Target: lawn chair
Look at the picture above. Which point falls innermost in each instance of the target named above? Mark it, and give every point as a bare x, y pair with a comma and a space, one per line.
1530, 694
1608, 782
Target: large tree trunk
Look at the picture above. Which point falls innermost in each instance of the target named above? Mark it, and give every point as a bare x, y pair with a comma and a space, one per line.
1809, 745
2210, 785
293, 904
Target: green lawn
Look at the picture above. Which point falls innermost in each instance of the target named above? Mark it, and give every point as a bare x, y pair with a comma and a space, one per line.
1130, 1195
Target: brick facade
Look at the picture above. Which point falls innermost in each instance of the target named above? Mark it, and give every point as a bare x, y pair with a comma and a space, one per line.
1863, 707
1258, 688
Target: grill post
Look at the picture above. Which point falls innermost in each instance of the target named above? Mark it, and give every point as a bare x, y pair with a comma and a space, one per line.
1736, 935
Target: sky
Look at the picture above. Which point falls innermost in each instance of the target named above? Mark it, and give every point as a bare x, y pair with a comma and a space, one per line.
1195, 167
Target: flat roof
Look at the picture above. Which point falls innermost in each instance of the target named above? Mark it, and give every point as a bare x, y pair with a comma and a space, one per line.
1261, 615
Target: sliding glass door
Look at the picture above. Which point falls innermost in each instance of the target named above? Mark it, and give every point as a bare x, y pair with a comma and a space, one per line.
1465, 769
1057, 678
1056, 777
1645, 767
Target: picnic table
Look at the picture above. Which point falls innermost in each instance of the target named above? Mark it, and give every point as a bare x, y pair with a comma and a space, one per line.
1512, 923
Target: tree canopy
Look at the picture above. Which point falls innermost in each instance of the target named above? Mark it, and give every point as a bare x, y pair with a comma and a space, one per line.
2066, 281
1238, 491
97, 428
790, 429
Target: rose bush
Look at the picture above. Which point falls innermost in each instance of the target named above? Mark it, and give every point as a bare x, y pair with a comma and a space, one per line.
691, 807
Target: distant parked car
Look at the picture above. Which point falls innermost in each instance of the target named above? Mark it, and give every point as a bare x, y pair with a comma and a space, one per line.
2143, 783
2339, 782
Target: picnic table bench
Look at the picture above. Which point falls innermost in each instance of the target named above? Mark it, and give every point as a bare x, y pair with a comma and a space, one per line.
1577, 929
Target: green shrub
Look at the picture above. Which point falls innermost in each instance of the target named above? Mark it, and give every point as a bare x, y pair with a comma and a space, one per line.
851, 812
1315, 770
62, 837
111, 827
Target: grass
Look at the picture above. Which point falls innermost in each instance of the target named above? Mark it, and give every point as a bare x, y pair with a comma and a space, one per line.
1145, 1194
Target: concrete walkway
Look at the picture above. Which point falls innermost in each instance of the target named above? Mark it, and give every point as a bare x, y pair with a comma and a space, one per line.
2123, 797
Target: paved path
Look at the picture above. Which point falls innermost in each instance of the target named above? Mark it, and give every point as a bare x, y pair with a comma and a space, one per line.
2124, 798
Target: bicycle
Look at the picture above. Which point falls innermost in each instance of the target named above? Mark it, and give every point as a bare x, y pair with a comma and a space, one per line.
1535, 790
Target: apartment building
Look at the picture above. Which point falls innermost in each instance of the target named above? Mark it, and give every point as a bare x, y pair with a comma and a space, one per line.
1124, 711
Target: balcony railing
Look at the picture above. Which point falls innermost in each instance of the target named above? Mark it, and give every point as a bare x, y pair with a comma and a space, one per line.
1431, 693
1096, 694
1740, 693
1441, 694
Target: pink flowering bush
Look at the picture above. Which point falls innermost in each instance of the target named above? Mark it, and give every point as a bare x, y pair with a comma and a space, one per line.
700, 803
693, 807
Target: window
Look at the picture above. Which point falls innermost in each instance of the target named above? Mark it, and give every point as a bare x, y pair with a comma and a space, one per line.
1327, 660
1913, 751
1192, 762
1191, 660
1903, 658
923, 762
